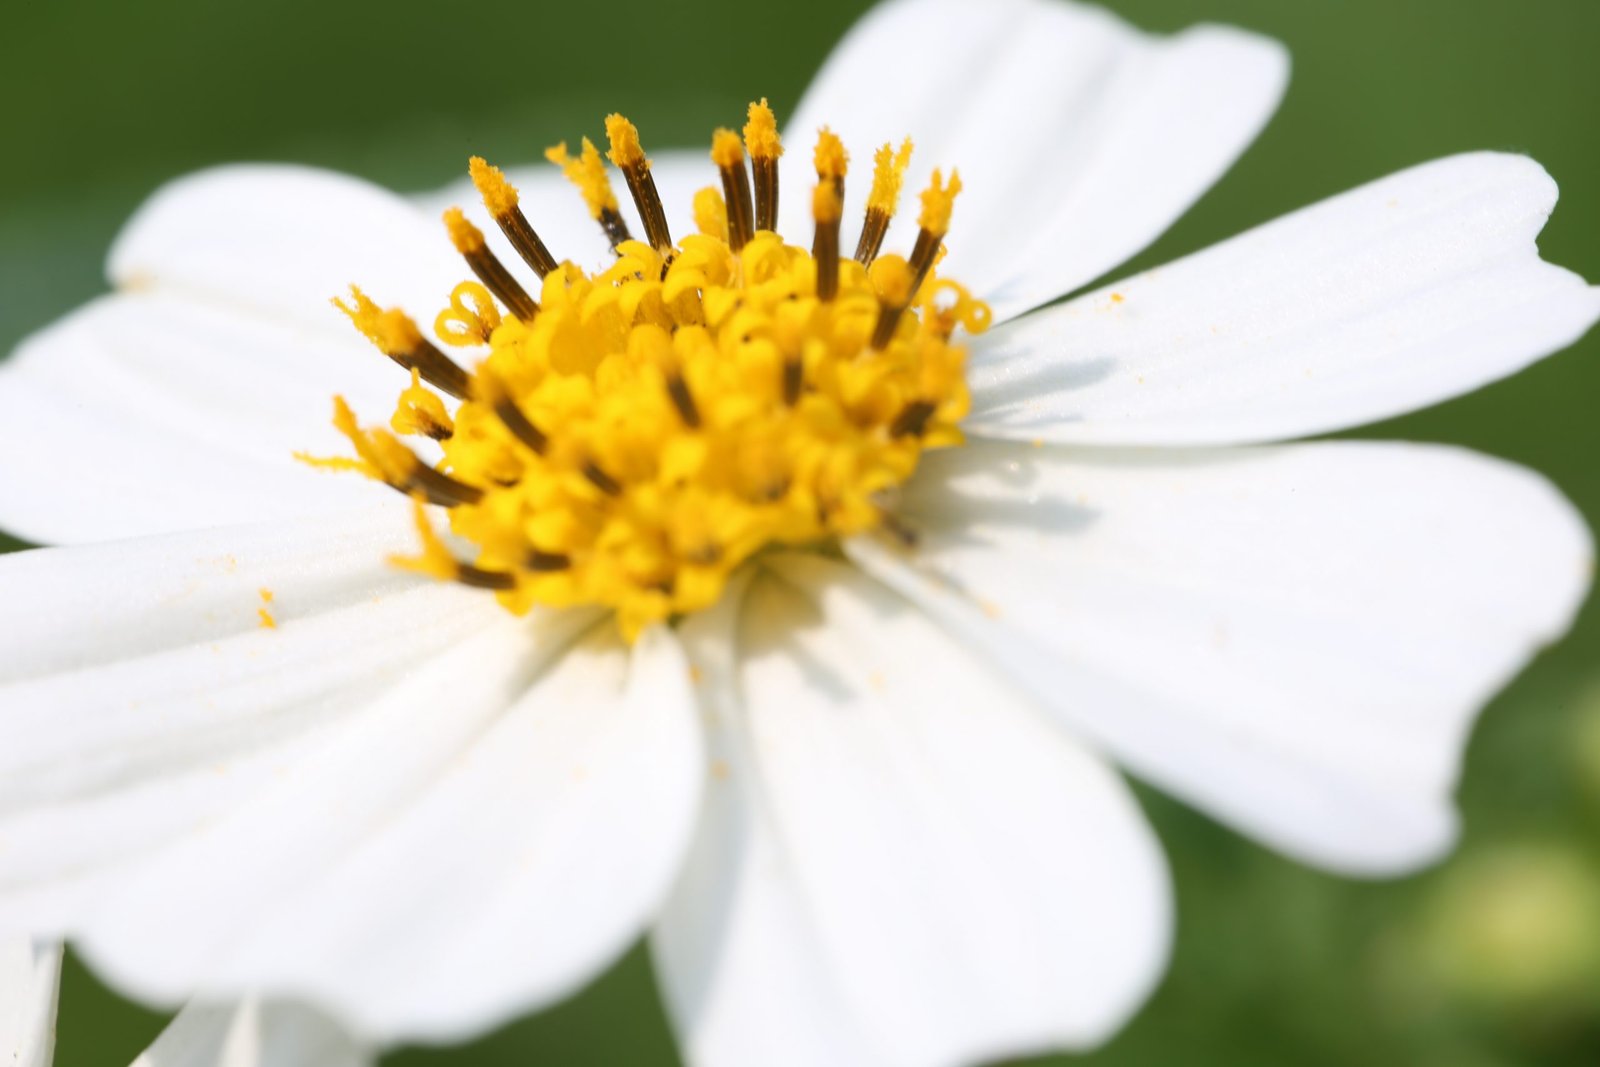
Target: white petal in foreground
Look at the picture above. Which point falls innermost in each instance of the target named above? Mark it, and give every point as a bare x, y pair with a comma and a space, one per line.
251, 1034
1295, 640
29, 976
142, 693
154, 412
475, 834
1079, 138
901, 862
1417, 288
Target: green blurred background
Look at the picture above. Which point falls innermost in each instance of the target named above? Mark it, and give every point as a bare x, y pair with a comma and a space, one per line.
1491, 959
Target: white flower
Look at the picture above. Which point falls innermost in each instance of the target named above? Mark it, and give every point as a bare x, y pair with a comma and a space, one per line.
876, 823
246, 1034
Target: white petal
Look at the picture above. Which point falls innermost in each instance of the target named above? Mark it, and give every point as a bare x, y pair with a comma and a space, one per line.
557, 212
1079, 138
154, 412
1295, 640
483, 838
29, 976
251, 1034
141, 694
276, 242
1416, 288
901, 862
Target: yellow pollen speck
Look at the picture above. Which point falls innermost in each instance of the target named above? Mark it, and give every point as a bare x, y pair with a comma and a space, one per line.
625, 148
830, 157
937, 201
499, 195
825, 203
726, 149
761, 132
464, 235
267, 621
1117, 298
588, 172
888, 175
674, 412
711, 213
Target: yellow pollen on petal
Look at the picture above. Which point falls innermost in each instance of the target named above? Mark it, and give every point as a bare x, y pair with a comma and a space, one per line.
625, 148
499, 195
653, 423
888, 175
761, 132
587, 171
937, 201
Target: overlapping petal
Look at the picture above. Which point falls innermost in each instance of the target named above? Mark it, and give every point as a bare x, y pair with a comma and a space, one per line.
29, 975
1413, 289
1079, 138
902, 862
399, 800
253, 1034
1295, 640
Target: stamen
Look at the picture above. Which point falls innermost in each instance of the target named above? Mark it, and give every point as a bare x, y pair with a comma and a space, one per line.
913, 419
398, 466
437, 561
588, 173
888, 174
421, 412
892, 277
831, 159
826, 208
461, 326
500, 197
683, 400
396, 336
505, 408
600, 479
629, 157
728, 154
469, 241
761, 138
937, 202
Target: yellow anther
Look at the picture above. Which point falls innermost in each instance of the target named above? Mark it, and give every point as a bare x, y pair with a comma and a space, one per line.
888, 174
726, 149
392, 332
937, 200
761, 132
826, 205
467, 238
711, 213
625, 151
499, 195
588, 172
830, 157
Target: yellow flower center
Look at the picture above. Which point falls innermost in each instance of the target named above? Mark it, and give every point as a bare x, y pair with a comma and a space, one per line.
632, 436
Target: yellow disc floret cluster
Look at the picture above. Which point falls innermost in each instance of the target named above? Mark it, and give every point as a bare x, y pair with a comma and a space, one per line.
629, 436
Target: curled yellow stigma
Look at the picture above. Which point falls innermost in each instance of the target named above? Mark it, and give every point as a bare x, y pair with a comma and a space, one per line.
587, 171
761, 132
629, 437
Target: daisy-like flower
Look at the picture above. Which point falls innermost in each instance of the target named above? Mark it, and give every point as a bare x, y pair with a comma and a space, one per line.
830, 613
